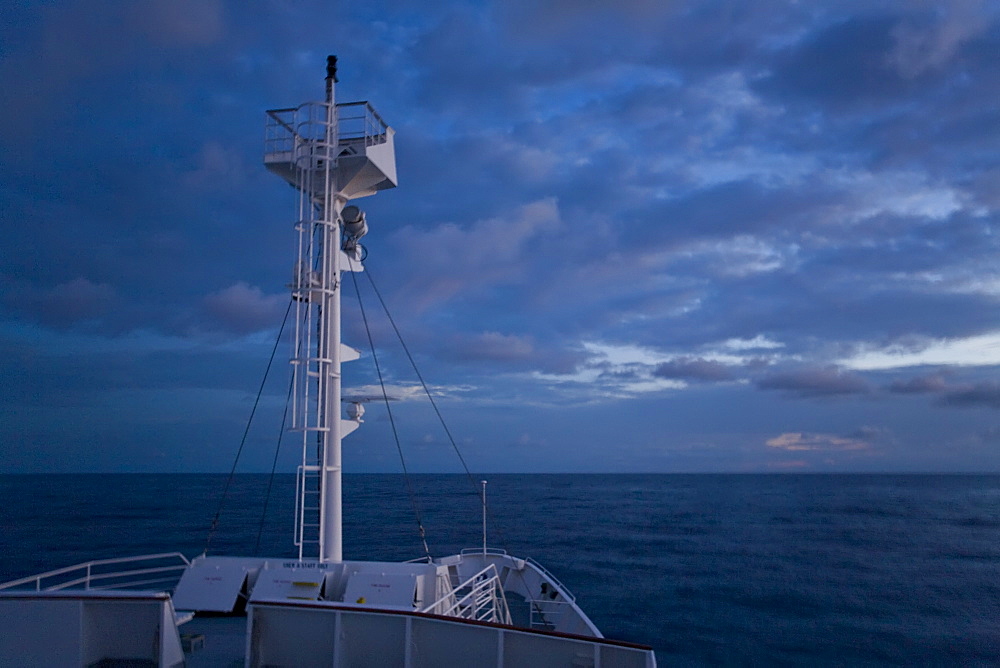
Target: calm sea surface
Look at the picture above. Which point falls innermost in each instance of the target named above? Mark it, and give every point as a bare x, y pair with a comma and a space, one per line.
708, 569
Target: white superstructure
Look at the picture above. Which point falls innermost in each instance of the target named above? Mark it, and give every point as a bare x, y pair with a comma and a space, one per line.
481, 607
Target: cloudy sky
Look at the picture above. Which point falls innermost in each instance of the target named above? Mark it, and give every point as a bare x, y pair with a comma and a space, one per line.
628, 236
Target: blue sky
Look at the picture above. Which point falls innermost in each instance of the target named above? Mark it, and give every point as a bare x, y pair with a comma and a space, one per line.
630, 236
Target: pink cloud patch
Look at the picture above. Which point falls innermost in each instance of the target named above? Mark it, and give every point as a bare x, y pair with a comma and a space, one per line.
802, 442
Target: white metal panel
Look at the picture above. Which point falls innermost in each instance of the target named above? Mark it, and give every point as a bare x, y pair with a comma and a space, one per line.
453, 645
83, 628
315, 635
347, 264
171, 652
380, 590
372, 640
122, 631
211, 585
292, 637
40, 632
296, 584
348, 427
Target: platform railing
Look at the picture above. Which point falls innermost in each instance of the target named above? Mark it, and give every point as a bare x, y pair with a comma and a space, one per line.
165, 568
286, 130
359, 120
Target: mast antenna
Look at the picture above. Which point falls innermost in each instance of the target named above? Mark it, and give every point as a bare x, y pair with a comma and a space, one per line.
331, 153
484, 515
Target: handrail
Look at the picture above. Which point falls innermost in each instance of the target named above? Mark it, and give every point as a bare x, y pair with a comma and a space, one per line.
479, 550
544, 612
544, 571
420, 560
485, 582
89, 576
563, 588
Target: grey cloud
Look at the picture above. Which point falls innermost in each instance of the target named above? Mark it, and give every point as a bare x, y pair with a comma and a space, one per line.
512, 352
932, 384
979, 394
872, 433
931, 43
495, 346
815, 382
63, 305
243, 308
693, 368
617, 374
821, 68
78, 44
822, 174
51, 378
990, 435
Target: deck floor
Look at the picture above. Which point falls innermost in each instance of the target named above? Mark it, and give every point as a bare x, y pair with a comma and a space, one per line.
217, 642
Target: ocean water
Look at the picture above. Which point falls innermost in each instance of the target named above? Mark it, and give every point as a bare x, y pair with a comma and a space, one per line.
707, 569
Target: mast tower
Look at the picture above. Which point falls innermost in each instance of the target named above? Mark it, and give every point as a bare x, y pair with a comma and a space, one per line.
331, 154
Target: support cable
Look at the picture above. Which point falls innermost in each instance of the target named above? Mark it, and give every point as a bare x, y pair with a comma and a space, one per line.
274, 466
392, 422
243, 441
444, 425
399, 336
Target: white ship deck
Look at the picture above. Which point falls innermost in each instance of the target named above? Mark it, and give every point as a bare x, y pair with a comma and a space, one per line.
261, 612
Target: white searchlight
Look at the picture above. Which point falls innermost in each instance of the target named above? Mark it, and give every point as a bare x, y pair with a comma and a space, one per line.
355, 225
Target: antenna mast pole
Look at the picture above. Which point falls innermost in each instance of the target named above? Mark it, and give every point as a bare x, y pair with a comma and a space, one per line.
484, 515
331, 511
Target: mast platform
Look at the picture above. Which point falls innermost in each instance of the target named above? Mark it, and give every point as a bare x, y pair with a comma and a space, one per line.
364, 158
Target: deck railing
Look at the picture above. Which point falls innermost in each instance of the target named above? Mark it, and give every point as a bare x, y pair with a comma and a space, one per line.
480, 598
546, 614
544, 571
158, 572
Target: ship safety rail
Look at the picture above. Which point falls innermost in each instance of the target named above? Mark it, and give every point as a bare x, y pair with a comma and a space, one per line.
483, 601
537, 566
545, 614
565, 590
162, 570
489, 550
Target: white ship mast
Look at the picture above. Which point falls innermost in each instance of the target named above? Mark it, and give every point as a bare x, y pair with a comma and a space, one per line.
331, 153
